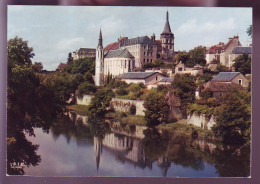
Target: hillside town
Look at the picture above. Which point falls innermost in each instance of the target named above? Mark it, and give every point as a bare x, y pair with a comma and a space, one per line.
136, 105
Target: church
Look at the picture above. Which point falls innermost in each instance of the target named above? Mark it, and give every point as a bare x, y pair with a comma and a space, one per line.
127, 55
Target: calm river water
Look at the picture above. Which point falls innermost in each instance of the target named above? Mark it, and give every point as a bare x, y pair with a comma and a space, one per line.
75, 147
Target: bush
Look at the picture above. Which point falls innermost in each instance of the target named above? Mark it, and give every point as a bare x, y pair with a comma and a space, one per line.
121, 92
86, 88
132, 109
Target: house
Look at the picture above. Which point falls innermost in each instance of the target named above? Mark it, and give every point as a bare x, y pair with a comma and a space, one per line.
165, 81
83, 53
147, 78
238, 51
180, 68
222, 51
223, 83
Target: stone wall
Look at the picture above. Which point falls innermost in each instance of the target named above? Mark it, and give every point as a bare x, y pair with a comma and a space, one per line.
201, 121
117, 104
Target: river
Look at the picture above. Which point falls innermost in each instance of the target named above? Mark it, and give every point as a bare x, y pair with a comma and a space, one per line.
75, 147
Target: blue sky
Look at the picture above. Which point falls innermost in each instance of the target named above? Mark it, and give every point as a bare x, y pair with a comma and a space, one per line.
54, 31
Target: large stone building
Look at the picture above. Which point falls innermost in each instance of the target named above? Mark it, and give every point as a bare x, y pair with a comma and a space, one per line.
83, 53
221, 51
127, 55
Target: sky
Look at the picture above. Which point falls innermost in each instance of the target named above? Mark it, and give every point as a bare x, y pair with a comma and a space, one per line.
54, 31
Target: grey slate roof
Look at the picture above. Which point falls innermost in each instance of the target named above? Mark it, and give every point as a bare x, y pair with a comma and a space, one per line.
138, 40
242, 50
166, 79
136, 75
87, 50
122, 53
225, 76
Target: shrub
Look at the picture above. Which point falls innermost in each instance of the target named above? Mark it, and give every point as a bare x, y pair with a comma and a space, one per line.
121, 92
132, 109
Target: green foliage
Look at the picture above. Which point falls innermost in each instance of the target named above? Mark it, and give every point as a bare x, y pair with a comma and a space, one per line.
158, 63
183, 57
31, 102
37, 67
197, 56
100, 102
249, 31
222, 68
156, 108
233, 117
122, 91
70, 58
81, 66
86, 88
184, 88
243, 64
132, 109
88, 78
148, 66
204, 78
113, 83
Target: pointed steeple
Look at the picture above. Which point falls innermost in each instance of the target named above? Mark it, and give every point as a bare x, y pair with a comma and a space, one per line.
100, 40
167, 28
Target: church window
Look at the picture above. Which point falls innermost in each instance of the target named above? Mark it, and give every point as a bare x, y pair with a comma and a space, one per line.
147, 60
144, 53
151, 60
144, 60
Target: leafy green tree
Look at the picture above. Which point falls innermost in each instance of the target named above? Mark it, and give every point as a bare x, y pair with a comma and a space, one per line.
250, 31
86, 88
233, 117
148, 66
100, 102
197, 56
88, 77
37, 67
31, 102
122, 92
183, 57
70, 58
184, 88
81, 66
243, 64
156, 108
222, 68
158, 63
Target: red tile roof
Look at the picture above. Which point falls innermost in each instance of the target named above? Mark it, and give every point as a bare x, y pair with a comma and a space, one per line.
221, 86
112, 46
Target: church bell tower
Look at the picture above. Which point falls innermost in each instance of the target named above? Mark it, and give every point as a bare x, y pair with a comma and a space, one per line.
99, 69
167, 40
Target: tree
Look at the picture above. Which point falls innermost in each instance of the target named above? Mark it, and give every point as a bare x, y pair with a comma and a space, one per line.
70, 58
183, 57
99, 103
222, 68
148, 66
250, 31
197, 56
37, 67
31, 102
158, 63
233, 117
184, 88
156, 108
243, 64
86, 88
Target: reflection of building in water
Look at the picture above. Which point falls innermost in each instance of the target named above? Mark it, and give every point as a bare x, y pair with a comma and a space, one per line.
97, 150
123, 147
164, 163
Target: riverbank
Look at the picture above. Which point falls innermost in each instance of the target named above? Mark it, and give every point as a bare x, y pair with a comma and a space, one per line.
178, 128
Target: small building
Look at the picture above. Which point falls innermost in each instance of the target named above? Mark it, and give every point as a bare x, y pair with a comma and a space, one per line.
83, 53
223, 83
180, 68
165, 81
231, 77
146, 78
238, 51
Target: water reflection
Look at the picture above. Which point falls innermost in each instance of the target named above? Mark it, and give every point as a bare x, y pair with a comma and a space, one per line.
140, 151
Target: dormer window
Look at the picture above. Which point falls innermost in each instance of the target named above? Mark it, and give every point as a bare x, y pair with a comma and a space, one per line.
240, 81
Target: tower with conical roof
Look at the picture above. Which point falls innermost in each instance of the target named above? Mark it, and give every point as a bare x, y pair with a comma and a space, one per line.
167, 40
99, 62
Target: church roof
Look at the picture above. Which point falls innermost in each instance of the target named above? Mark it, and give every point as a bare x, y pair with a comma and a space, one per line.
122, 53
242, 50
136, 75
225, 76
138, 40
112, 46
167, 28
